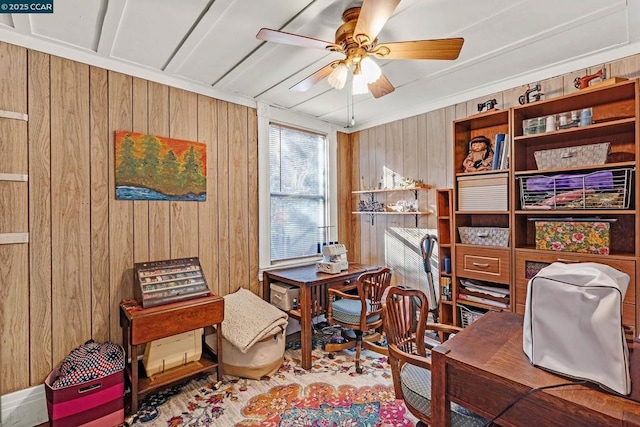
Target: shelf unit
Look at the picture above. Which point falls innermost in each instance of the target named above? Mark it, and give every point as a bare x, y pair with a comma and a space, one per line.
479, 199
615, 120
444, 206
385, 191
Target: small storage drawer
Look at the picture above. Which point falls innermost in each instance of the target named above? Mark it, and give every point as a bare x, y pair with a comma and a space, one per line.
282, 295
485, 236
483, 263
483, 193
528, 263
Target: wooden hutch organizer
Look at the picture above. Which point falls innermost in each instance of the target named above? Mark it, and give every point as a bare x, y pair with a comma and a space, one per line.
616, 120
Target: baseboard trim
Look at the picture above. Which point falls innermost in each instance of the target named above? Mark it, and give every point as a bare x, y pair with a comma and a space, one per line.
24, 408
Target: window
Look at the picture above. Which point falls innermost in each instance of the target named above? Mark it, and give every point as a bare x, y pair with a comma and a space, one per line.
298, 192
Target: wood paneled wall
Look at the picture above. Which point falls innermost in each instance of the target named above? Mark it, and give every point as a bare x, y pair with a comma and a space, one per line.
64, 287
421, 147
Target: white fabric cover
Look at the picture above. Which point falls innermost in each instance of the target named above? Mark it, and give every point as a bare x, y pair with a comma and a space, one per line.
248, 319
573, 323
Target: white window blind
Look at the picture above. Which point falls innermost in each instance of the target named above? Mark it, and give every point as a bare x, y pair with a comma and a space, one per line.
298, 191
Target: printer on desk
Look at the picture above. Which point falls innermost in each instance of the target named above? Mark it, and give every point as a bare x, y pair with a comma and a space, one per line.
334, 259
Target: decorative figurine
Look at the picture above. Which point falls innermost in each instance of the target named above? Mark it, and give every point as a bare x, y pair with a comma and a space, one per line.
529, 93
583, 82
480, 156
487, 105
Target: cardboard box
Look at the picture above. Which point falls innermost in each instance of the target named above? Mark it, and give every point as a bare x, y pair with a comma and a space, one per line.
483, 193
282, 295
93, 403
573, 236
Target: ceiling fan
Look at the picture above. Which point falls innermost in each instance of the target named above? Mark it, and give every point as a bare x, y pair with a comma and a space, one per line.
357, 39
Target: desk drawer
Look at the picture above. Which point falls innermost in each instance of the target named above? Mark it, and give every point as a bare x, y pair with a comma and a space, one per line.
482, 263
164, 323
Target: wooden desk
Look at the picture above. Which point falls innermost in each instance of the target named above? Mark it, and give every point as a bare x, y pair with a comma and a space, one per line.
141, 325
484, 369
313, 295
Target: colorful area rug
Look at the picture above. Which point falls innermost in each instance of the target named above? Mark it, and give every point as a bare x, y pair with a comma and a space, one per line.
329, 394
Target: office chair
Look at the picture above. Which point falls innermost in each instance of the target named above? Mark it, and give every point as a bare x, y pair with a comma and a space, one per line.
361, 312
405, 313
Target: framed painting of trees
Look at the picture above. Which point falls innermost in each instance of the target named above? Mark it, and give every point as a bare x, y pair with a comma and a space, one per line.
150, 167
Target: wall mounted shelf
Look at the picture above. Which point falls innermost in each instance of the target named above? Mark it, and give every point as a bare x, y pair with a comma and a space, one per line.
373, 214
372, 193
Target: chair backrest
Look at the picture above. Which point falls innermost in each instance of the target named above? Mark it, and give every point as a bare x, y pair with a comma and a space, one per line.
405, 313
371, 286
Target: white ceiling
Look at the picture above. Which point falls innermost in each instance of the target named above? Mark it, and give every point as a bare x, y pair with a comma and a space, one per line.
209, 46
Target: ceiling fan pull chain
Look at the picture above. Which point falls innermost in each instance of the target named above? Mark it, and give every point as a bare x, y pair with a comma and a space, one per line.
353, 111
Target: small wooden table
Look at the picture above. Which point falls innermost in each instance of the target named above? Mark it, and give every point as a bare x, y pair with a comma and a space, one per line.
142, 325
313, 295
484, 369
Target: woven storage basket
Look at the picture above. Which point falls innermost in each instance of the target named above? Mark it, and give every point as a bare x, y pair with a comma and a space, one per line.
569, 157
487, 236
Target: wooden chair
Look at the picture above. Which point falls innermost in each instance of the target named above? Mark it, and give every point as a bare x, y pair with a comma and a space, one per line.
361, 312
405, 313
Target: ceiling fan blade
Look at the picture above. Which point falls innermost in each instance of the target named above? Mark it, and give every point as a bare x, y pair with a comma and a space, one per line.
314, 78
421, 49
373, 15
269, 35
381, 87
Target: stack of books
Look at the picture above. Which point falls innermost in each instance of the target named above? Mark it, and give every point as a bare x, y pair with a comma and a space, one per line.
501, 151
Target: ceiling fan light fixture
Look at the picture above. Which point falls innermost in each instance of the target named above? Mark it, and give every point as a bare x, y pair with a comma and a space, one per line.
370, 70
338, 76
359, 85
357, 40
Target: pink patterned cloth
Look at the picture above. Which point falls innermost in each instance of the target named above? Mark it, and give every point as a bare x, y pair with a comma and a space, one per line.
89, 361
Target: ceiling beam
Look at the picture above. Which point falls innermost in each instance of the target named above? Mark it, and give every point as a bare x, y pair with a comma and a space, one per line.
214, 12
110, 25
22, 22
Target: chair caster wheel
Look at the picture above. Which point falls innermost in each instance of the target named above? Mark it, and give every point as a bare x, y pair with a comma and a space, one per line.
331, 356
359, 370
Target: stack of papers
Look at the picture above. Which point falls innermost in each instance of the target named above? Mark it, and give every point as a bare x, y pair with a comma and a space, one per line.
488, 290
494, 291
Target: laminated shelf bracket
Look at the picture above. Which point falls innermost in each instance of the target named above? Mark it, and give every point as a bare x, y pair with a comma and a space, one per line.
14, 177
14, 115
13, 238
